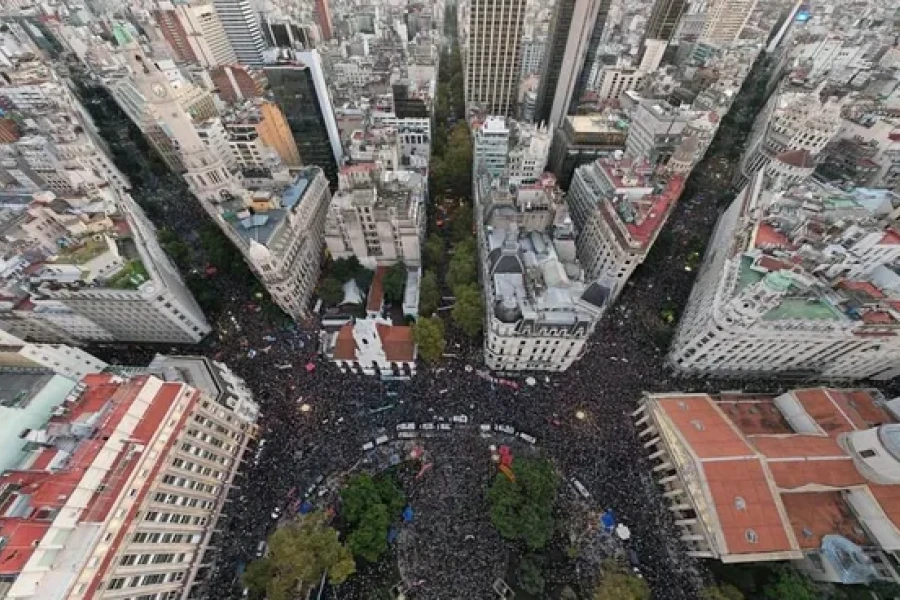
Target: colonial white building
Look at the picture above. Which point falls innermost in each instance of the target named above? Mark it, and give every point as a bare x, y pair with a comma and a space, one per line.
791, 121
518, 151
539, 308
786, 287
378, 217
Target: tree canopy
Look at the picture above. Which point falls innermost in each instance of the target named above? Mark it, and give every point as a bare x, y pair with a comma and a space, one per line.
523, 509
331, 291
619, 584
790, 583
429, 336
299, 554
468, 312
394, 283
724, 591
369, 505
429, 294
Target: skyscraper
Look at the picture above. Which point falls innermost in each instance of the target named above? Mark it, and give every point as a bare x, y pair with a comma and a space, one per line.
493, 63
664, 19
725, 20
575, 25
323, 18
242, 29
298, 87
195, 33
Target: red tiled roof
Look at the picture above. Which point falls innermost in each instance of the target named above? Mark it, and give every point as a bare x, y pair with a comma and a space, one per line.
815, 515
877, 317
861, 286
824, 411
397, 342
705, 429
345, 345
796, 446
772, 264
645, 231
733, 480
794, 474
375, 300
797, 158
769, 237
890, 237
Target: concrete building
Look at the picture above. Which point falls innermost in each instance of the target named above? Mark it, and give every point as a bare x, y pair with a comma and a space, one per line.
494, 54
120, 492
618, 213
583, 139
787, 286
612, 82
529, 150
575, 30
194, 33
242, 29
532, 56
490, 152
791, 121
656, 131
807, 476
67, 361
236, 83
298, 87
539, 308
378, 217
726, 19
281, 236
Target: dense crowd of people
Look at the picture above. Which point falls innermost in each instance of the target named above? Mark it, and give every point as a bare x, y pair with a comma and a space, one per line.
344, 411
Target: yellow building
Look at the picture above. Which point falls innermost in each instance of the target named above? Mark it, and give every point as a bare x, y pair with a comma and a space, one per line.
275, 133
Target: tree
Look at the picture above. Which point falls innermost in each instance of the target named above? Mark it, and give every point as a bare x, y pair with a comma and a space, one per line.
531, 575
462, 270
394, 283
298, 556
434, 251
369, 538
462, 224
724, 591
523, 509
790, 583
429, 294
619, 584
429, 336
468, 312
331, 291
368, 506
344, 269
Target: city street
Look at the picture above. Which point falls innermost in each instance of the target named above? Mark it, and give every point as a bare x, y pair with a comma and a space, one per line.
625, 359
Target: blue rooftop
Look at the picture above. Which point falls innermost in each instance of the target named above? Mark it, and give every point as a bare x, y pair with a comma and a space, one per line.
294, 193
254, 221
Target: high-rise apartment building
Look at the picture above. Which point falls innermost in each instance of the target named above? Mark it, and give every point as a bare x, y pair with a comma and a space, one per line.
726, 19
571, 48
664, 19
242, 29
797, 280
120, 492
494, 56
195, 33
297, 84
323, 19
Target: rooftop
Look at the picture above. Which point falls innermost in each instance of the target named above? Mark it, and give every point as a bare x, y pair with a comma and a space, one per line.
775, 488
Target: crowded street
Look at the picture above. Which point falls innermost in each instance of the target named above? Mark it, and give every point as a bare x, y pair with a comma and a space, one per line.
343, 412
